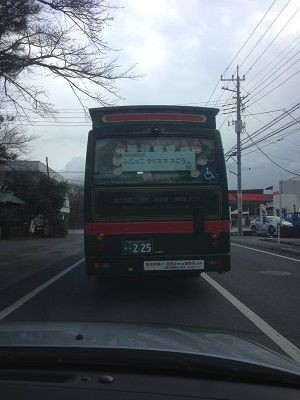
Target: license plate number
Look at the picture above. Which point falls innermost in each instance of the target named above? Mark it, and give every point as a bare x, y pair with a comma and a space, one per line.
172, 265
137, 246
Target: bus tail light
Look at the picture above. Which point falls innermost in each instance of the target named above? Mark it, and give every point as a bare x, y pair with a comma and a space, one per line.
100, 237
97, 266
215, 235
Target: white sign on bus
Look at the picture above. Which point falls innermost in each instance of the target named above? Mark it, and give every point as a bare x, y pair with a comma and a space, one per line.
158, 161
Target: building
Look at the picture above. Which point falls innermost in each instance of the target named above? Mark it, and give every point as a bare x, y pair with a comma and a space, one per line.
290, 196
35, 169
251, 199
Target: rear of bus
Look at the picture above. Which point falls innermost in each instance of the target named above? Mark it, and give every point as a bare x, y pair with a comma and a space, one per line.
156, 197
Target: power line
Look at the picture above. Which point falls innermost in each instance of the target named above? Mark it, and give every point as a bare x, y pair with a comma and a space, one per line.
288, 149
244, 44
275, 60
292, 116
201, 103
265, 32
272, 142
276, 87
56, 125
270, 159
228, 114
281, 129
225, 119
291, 141
273, 40
268, 126
264, 78
273, 80
284, 148
272, 155
264, 112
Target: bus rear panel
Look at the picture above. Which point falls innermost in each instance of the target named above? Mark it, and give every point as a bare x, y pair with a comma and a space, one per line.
155, 193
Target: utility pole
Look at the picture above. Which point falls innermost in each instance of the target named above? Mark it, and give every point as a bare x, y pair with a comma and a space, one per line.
47, 171
238, 129
48, 190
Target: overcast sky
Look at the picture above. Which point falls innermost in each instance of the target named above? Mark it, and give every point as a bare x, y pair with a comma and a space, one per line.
181, 48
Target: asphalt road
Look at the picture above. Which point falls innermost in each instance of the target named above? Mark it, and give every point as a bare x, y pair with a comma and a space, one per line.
268, 284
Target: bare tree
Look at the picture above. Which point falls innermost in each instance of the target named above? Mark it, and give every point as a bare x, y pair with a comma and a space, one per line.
63, 38
76, 194
13, 140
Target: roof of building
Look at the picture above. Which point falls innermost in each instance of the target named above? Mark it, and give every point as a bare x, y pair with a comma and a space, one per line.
9, 197
30, 166
250, 197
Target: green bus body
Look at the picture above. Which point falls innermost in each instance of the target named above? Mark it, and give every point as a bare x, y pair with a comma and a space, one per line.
156, 196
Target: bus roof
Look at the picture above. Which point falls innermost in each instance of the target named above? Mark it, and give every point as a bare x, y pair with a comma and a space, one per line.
196, 116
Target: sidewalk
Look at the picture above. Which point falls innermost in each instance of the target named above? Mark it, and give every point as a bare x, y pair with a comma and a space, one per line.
289, 246
246, 230
20, 259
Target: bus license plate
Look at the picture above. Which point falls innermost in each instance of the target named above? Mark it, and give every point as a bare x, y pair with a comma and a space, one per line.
137, 246
172, 265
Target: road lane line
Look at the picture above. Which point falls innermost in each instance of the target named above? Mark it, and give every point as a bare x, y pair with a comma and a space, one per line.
288, 347
4, 313
266, 252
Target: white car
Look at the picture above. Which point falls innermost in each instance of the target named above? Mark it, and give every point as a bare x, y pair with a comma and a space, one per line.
270, 226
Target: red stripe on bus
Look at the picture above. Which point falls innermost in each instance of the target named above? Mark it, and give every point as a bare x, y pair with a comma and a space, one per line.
143, 227
217, 225
171, 117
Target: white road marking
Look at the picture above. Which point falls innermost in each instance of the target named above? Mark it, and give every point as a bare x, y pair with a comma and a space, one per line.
266, 252
4, 313
288, 347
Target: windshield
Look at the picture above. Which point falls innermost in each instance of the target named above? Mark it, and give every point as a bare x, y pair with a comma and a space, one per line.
147, 151
155, 160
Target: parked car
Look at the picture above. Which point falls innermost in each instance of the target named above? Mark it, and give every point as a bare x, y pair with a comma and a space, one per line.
293, 218
39, 226
271, 225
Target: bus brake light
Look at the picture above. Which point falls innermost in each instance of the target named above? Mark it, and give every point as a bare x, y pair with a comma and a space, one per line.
154, 117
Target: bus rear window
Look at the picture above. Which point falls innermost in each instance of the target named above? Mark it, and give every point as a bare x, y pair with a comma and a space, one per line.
155, 160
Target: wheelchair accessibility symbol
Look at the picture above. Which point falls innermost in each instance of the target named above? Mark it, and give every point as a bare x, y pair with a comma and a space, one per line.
208, 175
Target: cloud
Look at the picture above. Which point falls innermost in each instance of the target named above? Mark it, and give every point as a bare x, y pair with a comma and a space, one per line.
182, 48
76, 164
74, 170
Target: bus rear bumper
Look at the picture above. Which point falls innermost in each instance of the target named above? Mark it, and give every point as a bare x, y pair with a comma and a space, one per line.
120, 266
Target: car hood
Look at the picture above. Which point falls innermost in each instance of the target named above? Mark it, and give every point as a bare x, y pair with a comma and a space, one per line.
142, 337
287, 223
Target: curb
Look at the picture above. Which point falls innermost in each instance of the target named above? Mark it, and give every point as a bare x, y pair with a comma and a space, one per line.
282, 242
274, 248
245, 233
285, 250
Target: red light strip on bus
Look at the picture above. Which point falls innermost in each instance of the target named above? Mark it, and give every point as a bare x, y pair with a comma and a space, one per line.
149, 117
146, 227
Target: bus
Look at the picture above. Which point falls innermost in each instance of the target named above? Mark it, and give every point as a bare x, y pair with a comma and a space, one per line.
156, 196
